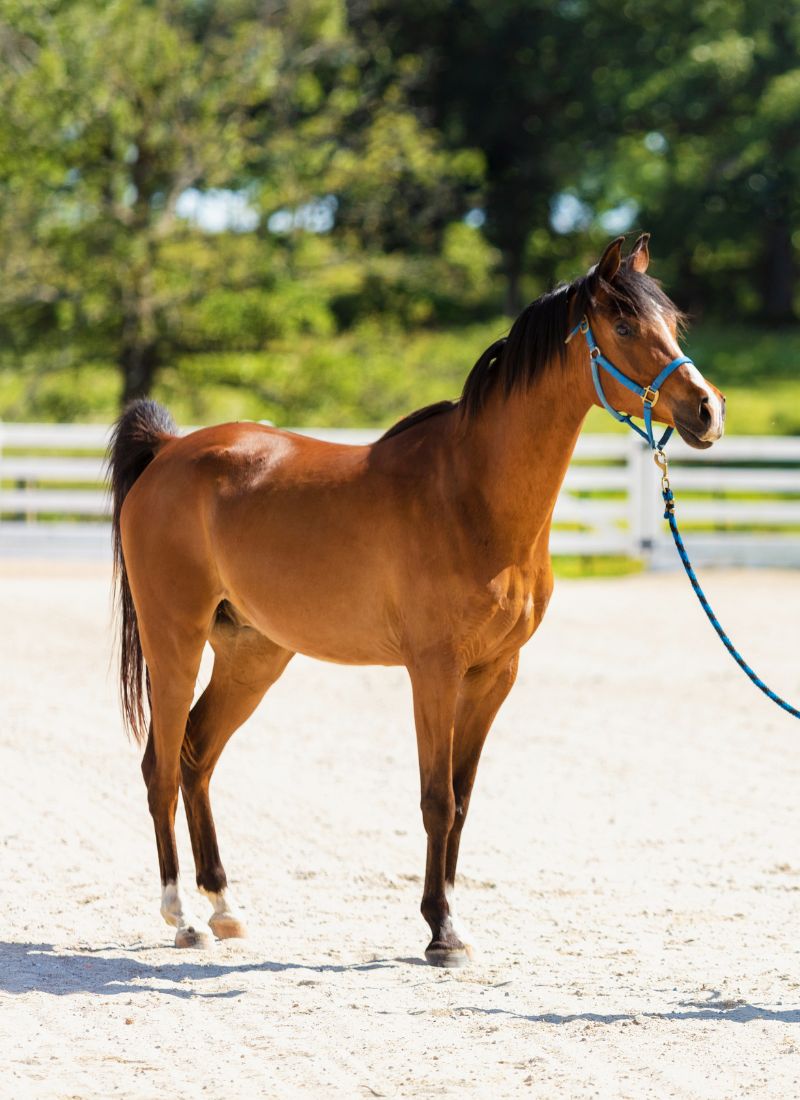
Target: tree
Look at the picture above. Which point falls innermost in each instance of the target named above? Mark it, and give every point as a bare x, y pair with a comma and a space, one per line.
715, 161
685, 111
111, 112
535, 87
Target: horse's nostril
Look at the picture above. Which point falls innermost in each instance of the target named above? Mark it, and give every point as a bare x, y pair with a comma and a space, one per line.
705, 410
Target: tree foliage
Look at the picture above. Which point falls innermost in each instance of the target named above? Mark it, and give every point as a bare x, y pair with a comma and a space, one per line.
113, 111
347, 142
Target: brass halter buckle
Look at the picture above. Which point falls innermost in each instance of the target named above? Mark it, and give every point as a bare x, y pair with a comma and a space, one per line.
583, 328
649, 397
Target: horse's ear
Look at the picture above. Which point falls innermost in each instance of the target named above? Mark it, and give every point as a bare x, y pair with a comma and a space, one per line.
639, 256
608, 264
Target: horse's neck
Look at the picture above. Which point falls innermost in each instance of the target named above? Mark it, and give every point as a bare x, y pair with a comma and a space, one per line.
522, 447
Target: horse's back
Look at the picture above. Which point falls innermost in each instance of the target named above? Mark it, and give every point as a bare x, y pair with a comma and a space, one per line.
252, 452
196, 472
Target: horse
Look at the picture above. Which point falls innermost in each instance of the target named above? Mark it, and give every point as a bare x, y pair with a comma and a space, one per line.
427, 549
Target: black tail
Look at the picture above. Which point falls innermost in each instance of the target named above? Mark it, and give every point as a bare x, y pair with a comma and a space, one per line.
135, 440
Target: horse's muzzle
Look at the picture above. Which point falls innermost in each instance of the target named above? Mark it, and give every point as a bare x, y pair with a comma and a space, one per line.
701, 423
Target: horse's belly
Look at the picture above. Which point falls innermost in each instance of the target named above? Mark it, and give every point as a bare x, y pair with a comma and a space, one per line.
342, 640
335, 610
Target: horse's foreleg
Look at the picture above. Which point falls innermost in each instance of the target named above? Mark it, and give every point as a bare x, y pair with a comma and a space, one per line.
434, 711
245, 665
482, 692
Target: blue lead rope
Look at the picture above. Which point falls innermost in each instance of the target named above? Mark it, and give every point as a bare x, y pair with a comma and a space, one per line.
669, 515
649, 396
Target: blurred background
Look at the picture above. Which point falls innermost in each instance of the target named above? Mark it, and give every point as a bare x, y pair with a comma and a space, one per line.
321, 212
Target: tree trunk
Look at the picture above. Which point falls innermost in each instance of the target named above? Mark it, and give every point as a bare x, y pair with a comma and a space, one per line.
512, 262
138, 363
778, 281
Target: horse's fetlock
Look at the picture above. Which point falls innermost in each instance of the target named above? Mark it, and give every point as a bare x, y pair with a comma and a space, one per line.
434, 909
212, 879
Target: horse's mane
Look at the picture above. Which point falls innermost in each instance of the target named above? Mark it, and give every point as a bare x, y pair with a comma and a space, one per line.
537, 337
421, 414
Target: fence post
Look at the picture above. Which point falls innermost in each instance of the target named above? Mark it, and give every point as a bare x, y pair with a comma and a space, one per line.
642, 502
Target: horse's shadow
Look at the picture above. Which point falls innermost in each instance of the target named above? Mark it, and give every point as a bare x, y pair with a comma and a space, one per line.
40, 967
714, 1008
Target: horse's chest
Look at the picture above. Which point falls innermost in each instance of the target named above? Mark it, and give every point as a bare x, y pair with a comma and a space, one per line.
516, 618
509, 615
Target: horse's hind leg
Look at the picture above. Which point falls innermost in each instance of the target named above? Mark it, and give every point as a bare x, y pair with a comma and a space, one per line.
246, 664
173, 659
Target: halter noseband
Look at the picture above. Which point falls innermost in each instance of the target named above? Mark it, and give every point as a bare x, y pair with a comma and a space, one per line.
649, 394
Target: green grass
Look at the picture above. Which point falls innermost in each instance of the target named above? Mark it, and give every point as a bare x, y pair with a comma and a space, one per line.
375, 373
573, 567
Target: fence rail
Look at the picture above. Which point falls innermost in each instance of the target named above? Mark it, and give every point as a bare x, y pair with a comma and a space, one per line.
738, 502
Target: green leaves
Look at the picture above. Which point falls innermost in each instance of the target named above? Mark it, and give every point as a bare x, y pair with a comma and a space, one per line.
112, 109
355, 137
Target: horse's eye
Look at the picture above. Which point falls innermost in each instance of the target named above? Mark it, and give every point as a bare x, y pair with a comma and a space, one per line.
622, 329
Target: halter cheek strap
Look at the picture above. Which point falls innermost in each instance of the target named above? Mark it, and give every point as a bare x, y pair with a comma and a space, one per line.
649, 394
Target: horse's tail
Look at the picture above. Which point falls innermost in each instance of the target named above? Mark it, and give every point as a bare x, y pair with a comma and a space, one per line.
138, 434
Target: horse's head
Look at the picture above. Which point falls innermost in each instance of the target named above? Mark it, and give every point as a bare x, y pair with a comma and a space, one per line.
635, 326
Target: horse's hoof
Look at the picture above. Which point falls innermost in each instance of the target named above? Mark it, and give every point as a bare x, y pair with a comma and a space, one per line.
449, 957
190, 937
226, 927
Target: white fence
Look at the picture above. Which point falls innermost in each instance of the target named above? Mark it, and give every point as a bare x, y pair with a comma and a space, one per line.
738, 502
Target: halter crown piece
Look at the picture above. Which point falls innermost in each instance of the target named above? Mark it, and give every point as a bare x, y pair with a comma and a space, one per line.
649, 394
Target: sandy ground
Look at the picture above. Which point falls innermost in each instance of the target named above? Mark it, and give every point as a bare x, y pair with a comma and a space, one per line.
631, 868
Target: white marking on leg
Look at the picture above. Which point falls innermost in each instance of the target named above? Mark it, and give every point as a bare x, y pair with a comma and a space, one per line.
225, 922
457, 925
173, 908
222, 902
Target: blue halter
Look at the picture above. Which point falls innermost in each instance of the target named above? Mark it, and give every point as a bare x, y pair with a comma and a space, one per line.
649, 394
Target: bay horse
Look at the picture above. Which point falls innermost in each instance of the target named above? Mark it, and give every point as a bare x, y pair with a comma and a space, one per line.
428, 549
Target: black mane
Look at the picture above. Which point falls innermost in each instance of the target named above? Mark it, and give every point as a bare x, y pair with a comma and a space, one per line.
538, 334
421, 414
